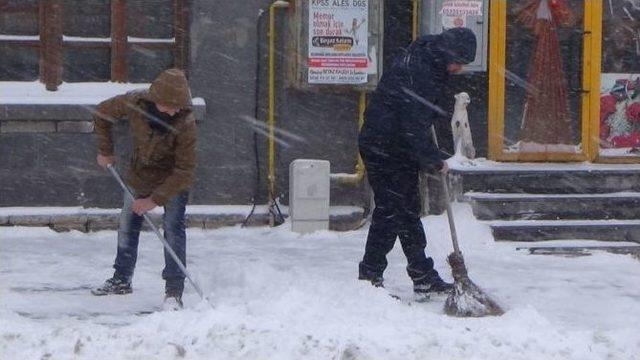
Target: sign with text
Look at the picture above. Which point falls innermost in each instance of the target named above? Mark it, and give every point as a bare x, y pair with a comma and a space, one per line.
338, 41
455, 12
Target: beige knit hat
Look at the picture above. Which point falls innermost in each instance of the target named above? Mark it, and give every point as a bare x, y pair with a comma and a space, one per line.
171, 88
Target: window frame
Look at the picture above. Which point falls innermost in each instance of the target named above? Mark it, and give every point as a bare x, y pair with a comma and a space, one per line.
51, 42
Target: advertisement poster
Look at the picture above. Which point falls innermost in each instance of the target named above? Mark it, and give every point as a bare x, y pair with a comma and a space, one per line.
454, 13
620, 114
338, 34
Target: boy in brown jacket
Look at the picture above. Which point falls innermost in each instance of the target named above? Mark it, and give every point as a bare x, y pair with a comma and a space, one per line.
161, 171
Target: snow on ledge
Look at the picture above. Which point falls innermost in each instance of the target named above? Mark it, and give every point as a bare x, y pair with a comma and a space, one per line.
191, 209
85, 93
483, 165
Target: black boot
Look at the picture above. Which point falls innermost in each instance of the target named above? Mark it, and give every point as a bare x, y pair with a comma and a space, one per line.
365, 273
117, 285
173, 295
432, 284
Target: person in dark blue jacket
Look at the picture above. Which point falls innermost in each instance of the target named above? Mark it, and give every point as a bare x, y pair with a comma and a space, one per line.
396, 144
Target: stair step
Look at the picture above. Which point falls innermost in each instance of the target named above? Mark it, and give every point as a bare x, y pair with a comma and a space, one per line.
573, 251
509, 206
532, 230
547, 180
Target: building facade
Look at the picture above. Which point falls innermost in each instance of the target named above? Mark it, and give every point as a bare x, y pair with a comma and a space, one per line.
555, 81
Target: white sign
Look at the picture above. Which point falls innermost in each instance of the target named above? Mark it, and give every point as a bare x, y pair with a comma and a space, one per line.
455, 12
338, 41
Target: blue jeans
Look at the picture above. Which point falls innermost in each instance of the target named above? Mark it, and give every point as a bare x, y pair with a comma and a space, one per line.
174, 232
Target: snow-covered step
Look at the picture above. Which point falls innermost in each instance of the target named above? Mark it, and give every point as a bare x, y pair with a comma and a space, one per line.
546, 180
341, 218
511, 206
532, 230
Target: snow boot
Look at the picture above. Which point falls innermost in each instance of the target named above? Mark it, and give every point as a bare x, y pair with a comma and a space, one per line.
114, 286
173, 296
365, 273
172, 302
376, 281
430, 285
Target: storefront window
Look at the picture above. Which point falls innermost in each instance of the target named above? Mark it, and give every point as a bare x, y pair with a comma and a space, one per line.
544, 50
620, 81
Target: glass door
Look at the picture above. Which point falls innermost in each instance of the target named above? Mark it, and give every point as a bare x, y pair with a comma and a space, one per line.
539, 80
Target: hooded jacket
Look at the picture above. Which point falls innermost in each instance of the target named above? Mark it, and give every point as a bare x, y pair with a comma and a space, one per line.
403, 107
164, 147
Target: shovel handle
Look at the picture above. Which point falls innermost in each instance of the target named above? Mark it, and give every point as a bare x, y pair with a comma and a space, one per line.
445, 190
155, 229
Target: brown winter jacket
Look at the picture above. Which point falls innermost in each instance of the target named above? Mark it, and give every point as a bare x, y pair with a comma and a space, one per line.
162, 163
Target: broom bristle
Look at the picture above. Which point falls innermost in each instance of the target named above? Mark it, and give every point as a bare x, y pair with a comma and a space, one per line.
467, 299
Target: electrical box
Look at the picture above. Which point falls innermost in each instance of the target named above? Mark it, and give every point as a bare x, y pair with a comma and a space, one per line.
336, 43
309, 182
439, 15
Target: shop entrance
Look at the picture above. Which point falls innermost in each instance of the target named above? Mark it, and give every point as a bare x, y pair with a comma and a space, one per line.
545, 80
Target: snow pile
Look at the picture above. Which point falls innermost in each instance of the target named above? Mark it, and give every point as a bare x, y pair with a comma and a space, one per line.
278, 295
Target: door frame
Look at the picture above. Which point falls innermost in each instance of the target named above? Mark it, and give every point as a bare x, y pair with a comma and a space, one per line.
592, 54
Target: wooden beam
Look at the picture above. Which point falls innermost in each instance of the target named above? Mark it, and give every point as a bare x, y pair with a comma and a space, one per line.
154, 45
50, 16
23, 43
119, 71
181, 34
69, 44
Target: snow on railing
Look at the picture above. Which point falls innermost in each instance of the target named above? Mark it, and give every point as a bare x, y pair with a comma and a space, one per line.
85, 39
133, 39
4, 37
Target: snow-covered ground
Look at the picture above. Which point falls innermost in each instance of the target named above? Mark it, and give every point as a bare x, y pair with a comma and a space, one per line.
278, 295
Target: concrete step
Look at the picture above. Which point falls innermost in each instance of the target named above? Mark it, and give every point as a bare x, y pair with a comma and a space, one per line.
532, 230
509, 206
341, 218
546, 180
579, 250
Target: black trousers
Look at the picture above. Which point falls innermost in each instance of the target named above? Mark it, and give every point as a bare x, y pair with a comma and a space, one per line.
396, 215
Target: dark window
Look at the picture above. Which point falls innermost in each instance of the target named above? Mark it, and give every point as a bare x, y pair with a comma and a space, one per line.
150, 18
19, 40
18, 63
91, 40
86, 64
19, 17
621, 37
146, 63
87, 18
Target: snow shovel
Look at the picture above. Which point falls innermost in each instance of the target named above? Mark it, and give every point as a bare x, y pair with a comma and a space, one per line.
467, 299
153, 226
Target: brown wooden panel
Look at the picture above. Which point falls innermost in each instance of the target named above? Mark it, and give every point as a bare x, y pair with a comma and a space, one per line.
86, 44
153, 45
21, 43
181, 34
118, 41
51, 37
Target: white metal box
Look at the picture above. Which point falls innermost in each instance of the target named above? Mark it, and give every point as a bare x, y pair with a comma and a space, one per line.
309, 183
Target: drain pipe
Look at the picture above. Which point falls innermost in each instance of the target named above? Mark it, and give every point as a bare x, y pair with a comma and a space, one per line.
276, 217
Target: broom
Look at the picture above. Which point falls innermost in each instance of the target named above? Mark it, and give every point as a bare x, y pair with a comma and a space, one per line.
467, 299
